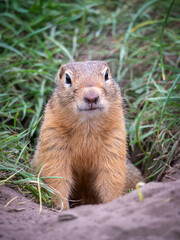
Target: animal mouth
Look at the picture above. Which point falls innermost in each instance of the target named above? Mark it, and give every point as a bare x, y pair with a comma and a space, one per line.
89, 109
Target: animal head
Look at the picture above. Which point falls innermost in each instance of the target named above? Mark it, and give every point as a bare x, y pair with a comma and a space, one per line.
87, 88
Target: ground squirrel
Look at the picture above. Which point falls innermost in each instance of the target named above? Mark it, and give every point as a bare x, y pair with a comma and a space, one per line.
83, 137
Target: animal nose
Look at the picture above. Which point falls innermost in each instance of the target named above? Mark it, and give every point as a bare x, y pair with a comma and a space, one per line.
91, 96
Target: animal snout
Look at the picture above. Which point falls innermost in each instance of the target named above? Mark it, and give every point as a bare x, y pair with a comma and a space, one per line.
91, 96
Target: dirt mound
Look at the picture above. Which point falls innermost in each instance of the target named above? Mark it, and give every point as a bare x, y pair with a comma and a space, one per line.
156, 217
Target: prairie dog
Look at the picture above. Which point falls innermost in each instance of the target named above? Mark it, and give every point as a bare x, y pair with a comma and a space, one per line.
83, 137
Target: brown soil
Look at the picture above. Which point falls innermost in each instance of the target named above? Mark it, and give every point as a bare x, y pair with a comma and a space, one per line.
156, 217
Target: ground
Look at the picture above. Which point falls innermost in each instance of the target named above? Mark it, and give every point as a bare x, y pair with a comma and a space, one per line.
156, 217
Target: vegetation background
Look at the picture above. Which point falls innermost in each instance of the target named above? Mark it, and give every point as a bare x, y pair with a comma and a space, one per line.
140, 41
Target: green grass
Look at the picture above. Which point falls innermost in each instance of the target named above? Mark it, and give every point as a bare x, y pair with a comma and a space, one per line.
139, 40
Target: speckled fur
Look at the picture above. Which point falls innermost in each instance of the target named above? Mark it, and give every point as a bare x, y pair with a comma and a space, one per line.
86, 149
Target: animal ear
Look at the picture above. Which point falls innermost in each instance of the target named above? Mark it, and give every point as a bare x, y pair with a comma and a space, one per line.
61, 72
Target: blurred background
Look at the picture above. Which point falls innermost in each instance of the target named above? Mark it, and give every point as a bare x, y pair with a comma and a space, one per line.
139, 39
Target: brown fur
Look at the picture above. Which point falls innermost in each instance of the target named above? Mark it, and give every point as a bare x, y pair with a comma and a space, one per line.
86, 148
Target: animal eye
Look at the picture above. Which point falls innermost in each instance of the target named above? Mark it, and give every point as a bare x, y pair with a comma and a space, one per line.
106, 76
68, 79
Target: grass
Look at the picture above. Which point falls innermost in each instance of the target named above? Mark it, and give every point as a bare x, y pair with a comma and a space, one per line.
140, 42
